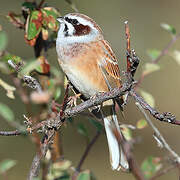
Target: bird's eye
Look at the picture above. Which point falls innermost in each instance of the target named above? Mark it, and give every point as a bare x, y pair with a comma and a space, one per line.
67, 19
72, 21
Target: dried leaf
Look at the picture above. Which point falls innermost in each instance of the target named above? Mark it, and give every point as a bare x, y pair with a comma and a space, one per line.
169, 28
6, 165
6, 112
150, 166
142, 123
148, 98
10, 89
150, 68
44, 65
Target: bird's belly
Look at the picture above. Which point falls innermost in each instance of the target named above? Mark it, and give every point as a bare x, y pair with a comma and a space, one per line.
80, 81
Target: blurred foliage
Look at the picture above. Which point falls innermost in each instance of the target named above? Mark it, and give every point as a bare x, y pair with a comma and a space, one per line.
6, 165
39, 24
150, 166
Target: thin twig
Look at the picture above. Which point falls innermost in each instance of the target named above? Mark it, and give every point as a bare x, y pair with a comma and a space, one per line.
159, 135
127, 149
162, 53
166, 49
127, 32
35, 167
164, 117
41, 3
12, 133
86, 152
164, 171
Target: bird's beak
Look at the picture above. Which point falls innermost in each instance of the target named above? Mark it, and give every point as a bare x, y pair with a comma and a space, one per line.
60, 19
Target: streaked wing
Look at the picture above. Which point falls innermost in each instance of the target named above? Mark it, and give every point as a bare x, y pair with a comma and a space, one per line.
109, 66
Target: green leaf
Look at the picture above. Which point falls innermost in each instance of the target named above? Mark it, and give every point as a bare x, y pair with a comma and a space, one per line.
29, 5
57, 93
85, 175
61, 165
6, 112
97, 124
153, 53
169, 28
150, 68
148, 98
7, 164
10, 89
3, 40
15, 59
142, 123
150, 166
82, 130
50, 15
126, 132
176, 56
29, 67
34, 24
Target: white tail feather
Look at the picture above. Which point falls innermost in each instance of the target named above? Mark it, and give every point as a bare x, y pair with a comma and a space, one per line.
117, 157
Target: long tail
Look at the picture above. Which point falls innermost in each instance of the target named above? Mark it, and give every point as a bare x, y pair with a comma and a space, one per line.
117, 157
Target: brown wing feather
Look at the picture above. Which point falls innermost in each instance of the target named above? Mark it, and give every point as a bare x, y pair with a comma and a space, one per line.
109, 66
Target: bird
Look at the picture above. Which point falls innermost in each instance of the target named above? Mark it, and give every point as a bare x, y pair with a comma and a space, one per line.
92, 67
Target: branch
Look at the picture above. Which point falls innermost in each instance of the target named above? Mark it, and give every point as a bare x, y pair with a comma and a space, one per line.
12, 133
35, 167
166, 49
97, 99
159, 135
164, 171
86, 152
163, 53
164, 117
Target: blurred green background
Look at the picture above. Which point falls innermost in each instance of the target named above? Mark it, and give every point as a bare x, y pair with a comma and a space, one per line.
144, 19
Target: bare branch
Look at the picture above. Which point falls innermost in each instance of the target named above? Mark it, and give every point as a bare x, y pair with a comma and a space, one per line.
35, 167
159, 135
88, 148
12, 133
164, 171
164, 117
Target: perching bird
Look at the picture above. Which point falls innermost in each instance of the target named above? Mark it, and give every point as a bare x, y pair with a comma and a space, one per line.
91, 66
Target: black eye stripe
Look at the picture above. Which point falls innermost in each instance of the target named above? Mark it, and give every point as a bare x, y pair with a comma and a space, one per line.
72, 21
66, 28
